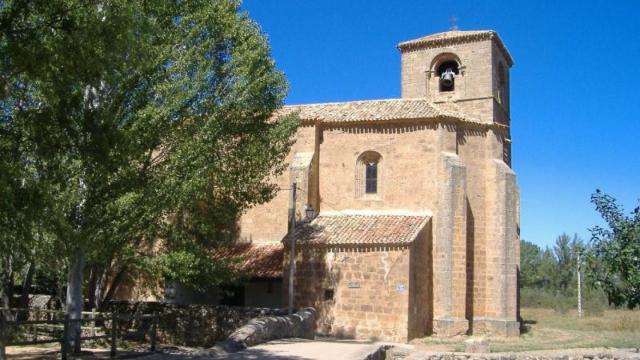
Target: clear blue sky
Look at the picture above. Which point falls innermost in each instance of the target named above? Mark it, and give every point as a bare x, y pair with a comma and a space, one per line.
575, 85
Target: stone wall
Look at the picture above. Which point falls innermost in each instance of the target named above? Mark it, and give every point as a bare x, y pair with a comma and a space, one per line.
406, 174
268, 222
190, 325
359, 293
455, 179
421, 285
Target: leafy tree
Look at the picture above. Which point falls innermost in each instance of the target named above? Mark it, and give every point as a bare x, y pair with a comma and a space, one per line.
552, 269
530, 263
69, 70
616, 251
548, 276
565, 251
20, 203
139, 121
548, 267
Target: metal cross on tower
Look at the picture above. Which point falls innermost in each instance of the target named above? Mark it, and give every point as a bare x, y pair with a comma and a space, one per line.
454, 23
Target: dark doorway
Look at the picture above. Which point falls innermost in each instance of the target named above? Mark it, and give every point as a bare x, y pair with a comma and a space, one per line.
232, 296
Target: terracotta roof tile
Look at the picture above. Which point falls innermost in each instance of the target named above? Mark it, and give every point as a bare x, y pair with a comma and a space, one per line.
371, 110
261, 260
361, 229
455, 37
447, 35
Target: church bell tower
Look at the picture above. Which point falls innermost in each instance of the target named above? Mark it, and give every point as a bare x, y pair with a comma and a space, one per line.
467, 68
467, 73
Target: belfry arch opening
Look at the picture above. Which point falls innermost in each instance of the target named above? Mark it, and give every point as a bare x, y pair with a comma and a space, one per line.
447, 71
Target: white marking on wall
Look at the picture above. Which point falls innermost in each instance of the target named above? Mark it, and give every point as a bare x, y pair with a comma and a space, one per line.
385, 264
329, 259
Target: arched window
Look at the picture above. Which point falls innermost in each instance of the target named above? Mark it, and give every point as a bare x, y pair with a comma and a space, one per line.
371, 178
368, 174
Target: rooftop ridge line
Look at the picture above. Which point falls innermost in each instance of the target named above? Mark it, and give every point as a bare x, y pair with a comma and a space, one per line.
418, 99
365, 212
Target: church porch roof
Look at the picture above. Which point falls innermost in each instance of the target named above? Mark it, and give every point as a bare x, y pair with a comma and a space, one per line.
373, 229
259, 260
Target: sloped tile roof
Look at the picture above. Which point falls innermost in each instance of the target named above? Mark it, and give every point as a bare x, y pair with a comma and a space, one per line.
261, 260
371, 110
448, 35
455, 37
379, 229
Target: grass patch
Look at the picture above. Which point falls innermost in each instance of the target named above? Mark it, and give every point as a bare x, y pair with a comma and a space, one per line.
547, 329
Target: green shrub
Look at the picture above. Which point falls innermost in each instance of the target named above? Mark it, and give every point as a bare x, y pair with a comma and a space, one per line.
594, 301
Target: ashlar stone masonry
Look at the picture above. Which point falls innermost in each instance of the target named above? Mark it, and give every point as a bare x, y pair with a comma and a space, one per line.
416, 221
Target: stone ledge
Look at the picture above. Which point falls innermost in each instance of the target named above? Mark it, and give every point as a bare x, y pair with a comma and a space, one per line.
301, 325
450, 327
575, 354
507, 328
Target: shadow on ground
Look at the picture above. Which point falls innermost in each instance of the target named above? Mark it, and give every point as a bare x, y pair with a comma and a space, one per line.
249, 354
42, 353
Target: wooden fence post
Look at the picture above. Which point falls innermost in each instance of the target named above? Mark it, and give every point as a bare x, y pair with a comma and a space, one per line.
65, 338
114, 332
3, 334
93, 322
35, 326
154, 331
3, 354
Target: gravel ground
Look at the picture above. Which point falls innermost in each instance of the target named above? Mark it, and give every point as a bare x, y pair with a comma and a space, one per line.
293, 349
301, 349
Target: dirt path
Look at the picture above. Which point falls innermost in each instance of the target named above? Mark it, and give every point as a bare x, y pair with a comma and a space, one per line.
291, 349
300, 349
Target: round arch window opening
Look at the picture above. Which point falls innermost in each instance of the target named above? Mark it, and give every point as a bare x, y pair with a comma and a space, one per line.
371, 178
447, 72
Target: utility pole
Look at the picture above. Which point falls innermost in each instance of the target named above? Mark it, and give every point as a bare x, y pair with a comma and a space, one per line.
292, 255
579, 288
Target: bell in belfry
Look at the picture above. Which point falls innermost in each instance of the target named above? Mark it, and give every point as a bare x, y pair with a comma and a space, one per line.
446, 78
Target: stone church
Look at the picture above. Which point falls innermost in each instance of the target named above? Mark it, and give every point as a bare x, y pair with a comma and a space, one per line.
407, 209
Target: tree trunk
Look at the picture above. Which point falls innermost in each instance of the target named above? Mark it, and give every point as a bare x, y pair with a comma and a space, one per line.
26, 289
74, 297
100, 288
93, 280
60, 295
7, 282
114, 286
6, 292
